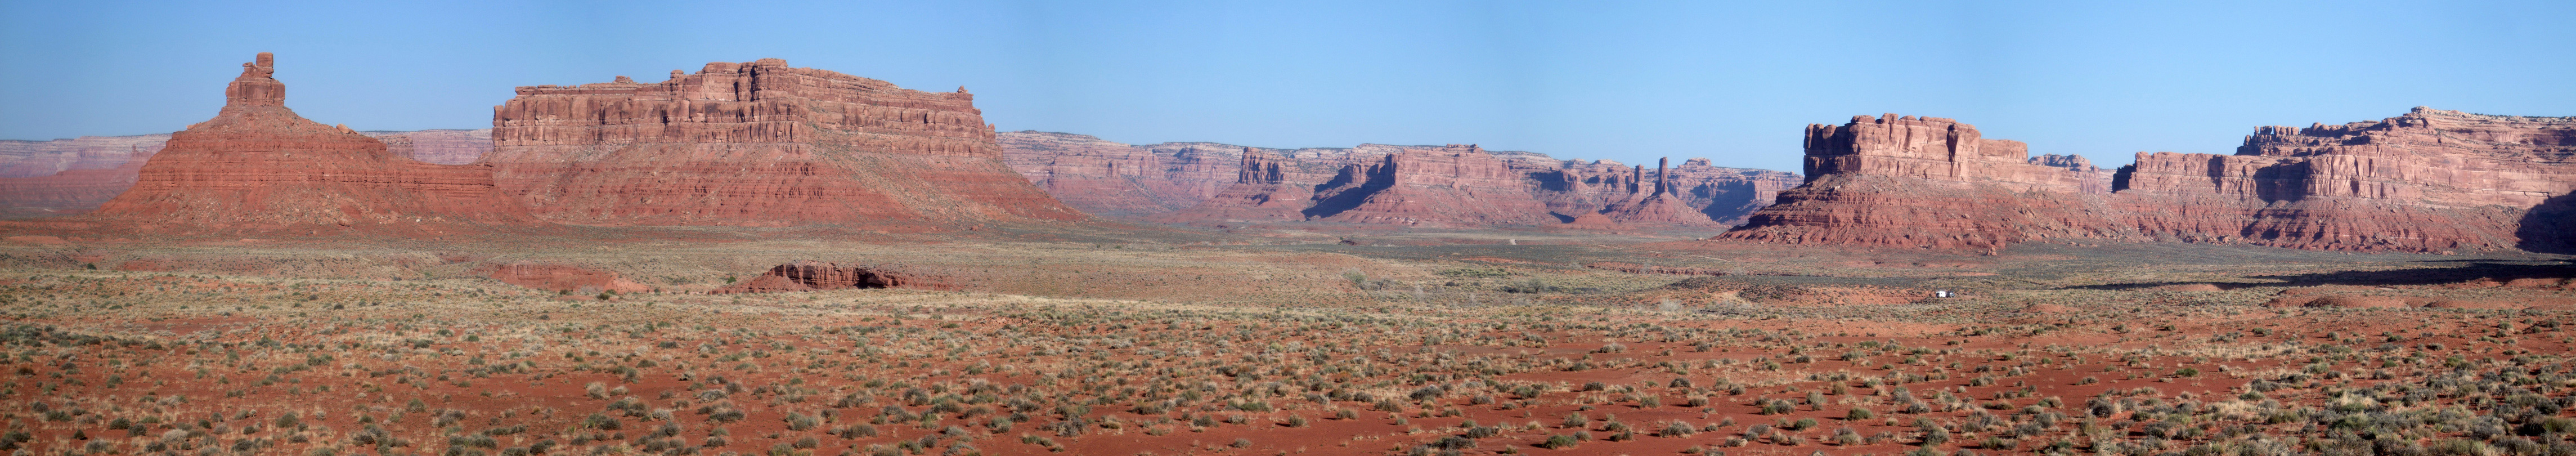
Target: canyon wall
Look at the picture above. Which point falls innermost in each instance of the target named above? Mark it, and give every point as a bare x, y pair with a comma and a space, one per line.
257, 166
758, 144
2427, 181
1451, 186
69, 176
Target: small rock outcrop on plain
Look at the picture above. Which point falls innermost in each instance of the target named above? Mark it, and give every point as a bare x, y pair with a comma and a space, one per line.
821, 276
758, 144
257, 166
1453, 186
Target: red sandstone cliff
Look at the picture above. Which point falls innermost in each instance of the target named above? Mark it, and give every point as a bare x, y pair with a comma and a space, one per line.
257, 166
1378, 184
1109, 178
1930, 182
2427, 181
445, 147
757, 144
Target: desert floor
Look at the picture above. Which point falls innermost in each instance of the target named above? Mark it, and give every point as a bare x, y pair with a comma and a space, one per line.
1179, 342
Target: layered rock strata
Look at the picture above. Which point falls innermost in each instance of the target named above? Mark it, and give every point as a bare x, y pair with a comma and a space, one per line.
445, 147
1909, 181
70, 176
257, 166
1440, 186
758, 144
2427, 181
74, 176
66, 192
45, 158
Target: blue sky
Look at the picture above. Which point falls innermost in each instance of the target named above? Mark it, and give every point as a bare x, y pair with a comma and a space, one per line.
1629, 81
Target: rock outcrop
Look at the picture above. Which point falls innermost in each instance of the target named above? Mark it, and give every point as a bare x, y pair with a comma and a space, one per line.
821, 276
1453, 186
1930, 182
257, 166
758, 144
2427, 181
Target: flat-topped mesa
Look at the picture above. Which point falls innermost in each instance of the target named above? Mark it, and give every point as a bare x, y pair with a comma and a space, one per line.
1909, 181
761, 144
257, 166
1457, 185
2427, 181
1932, 148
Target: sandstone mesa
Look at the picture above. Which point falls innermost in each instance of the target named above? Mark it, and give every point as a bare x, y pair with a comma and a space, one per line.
2427, 181
757, 144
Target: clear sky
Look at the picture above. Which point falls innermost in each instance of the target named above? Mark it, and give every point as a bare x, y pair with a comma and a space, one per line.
1627, 81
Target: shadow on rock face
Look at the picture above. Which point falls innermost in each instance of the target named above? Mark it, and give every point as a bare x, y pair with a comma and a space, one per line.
2551, 227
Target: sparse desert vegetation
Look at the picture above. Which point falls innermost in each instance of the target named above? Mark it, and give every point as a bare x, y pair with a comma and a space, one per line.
1337, 350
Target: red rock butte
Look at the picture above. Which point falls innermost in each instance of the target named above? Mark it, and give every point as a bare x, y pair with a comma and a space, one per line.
257, 166
1928, 182
758, 144
2427, 181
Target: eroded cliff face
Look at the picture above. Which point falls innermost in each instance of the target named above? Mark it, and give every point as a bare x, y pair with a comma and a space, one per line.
758, 144
1440, 186
1907, 181
257, 166
2427, 181
445, 147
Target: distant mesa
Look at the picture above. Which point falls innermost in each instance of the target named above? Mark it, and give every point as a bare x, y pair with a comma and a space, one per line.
1450, 186
758, 144
2428, 181
257, 166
